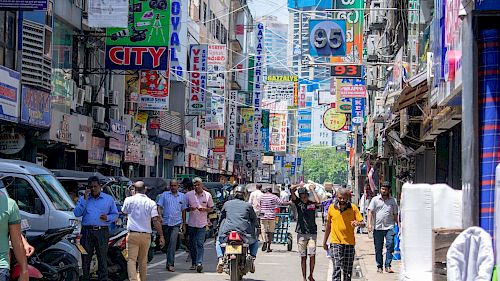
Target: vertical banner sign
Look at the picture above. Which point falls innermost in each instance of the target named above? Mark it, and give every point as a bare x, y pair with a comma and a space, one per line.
110, 13
216, 62
154, 90
302, 96
197, 80
178, 29
231, 126
352, 12
258, 85
143, 44
265, 129
246, 129
216, 111
358, 111
278, 129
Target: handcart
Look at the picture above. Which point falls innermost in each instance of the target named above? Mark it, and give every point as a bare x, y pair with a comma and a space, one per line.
281, 234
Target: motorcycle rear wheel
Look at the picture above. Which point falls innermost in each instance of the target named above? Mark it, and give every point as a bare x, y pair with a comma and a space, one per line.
234, 270
58, 258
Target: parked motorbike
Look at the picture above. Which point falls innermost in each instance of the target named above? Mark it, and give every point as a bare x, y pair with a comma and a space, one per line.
237, 258
117, 256
15, 272
53, 264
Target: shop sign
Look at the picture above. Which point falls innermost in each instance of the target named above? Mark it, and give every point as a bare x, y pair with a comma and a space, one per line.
231, 125
143, 45
203, 136
26, 5
327, 38
352, 12
133, 150
453, 44
112, 159
60, 129
96, 153
9, 94
154, 90
215, 117
248, 120
216, 66
258, 85
198, 79
11, 143
278, 130
192, 146
281, 78
81, 131
358, 111
302, 96
486, 5
117, 139
112, 13
148, 153
35, 107
141, 118
220, 144
334, 121
154, 123
344, 106
350, 88
168, 153
178, 29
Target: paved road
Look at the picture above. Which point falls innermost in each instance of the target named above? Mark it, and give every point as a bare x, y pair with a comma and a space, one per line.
279, 265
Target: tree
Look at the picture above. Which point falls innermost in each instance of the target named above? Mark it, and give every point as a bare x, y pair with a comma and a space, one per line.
322, 163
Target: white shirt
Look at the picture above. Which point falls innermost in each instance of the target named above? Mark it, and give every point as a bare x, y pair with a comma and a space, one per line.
284, 195
140, 209
255, 200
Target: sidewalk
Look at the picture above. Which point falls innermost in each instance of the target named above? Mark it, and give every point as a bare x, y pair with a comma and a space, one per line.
365, 253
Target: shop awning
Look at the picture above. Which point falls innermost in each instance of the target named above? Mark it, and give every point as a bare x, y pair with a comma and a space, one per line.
414, 91
165, 138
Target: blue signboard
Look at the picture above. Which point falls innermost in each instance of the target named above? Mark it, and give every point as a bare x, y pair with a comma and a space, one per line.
27, 5
292, 170
35, 107
265, 138
358, 111
488, 5
327, 38
9, 94
299, 161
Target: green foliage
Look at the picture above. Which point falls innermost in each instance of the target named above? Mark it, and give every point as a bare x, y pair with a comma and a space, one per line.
324, 163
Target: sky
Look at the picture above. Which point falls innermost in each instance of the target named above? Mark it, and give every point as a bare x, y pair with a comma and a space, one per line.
269, 7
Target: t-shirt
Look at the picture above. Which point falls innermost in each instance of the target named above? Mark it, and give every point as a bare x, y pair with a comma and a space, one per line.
9, 215
342, 232
268, 204
384, 211
140, 209
306, 213
255, 200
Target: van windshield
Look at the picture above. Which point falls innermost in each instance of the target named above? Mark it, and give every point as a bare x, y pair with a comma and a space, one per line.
55, 192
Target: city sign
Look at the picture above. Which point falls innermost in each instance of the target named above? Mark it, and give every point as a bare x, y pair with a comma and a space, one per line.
327, 38
347, 71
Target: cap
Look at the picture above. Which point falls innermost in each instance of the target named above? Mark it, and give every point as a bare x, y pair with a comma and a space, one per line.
302, 190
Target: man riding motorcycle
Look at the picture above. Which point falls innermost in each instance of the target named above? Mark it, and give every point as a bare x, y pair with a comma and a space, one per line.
237, 215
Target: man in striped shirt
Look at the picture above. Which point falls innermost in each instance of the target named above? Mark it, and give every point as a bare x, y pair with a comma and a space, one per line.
268, 204
172, 205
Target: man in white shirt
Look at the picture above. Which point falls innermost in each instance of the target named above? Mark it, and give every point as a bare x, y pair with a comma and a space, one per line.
255, 199
140, 210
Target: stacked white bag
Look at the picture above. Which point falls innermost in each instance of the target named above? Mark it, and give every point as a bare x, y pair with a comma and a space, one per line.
425, 207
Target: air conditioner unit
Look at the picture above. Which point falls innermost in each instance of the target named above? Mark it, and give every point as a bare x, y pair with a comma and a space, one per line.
372, 44
88, 93
128, 119
99, 99
98, 113
371, 75
377, 13
381, 84
113, 97
114, 113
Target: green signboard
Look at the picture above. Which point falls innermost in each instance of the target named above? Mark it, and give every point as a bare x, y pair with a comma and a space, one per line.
143, 45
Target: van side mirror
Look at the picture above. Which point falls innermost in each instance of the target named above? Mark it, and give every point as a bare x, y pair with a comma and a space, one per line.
39, 208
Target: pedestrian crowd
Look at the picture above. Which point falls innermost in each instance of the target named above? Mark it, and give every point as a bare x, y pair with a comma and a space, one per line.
175, 213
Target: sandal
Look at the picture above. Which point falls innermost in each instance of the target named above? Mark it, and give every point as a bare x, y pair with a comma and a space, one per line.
193, 267
171, 269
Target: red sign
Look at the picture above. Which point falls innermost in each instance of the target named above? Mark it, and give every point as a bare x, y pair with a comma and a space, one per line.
220, 144
127, 56
347, 71
154, 123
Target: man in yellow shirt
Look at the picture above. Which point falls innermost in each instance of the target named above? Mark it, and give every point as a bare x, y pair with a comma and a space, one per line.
343, 217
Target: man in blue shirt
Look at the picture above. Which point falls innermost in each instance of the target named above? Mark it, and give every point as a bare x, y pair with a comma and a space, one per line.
98, 210
172, 206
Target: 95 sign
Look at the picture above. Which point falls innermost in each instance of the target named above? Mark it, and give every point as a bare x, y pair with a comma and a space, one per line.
327, 38
347, 71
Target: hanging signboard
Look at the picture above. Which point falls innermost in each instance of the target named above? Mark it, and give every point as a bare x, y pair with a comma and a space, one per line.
26, 5
203, 136
220, 144
168, 153
109, 13
352, 12
197, 80
192, 146
248, 120
11, 143
216, 112
265, 129
9, 94
358, 111
112, 159
133, 151
278, 129
258, 85
347, 71
350, 88
302, 95
216, 66
143, 44
231, 125
334, 121
35, 107
117, 139
154, 90
327, 38
96, 153
178, 29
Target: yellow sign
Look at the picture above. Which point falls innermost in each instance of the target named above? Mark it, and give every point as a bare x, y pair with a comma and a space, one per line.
343, 107
141, 118
334, 121
276, 78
